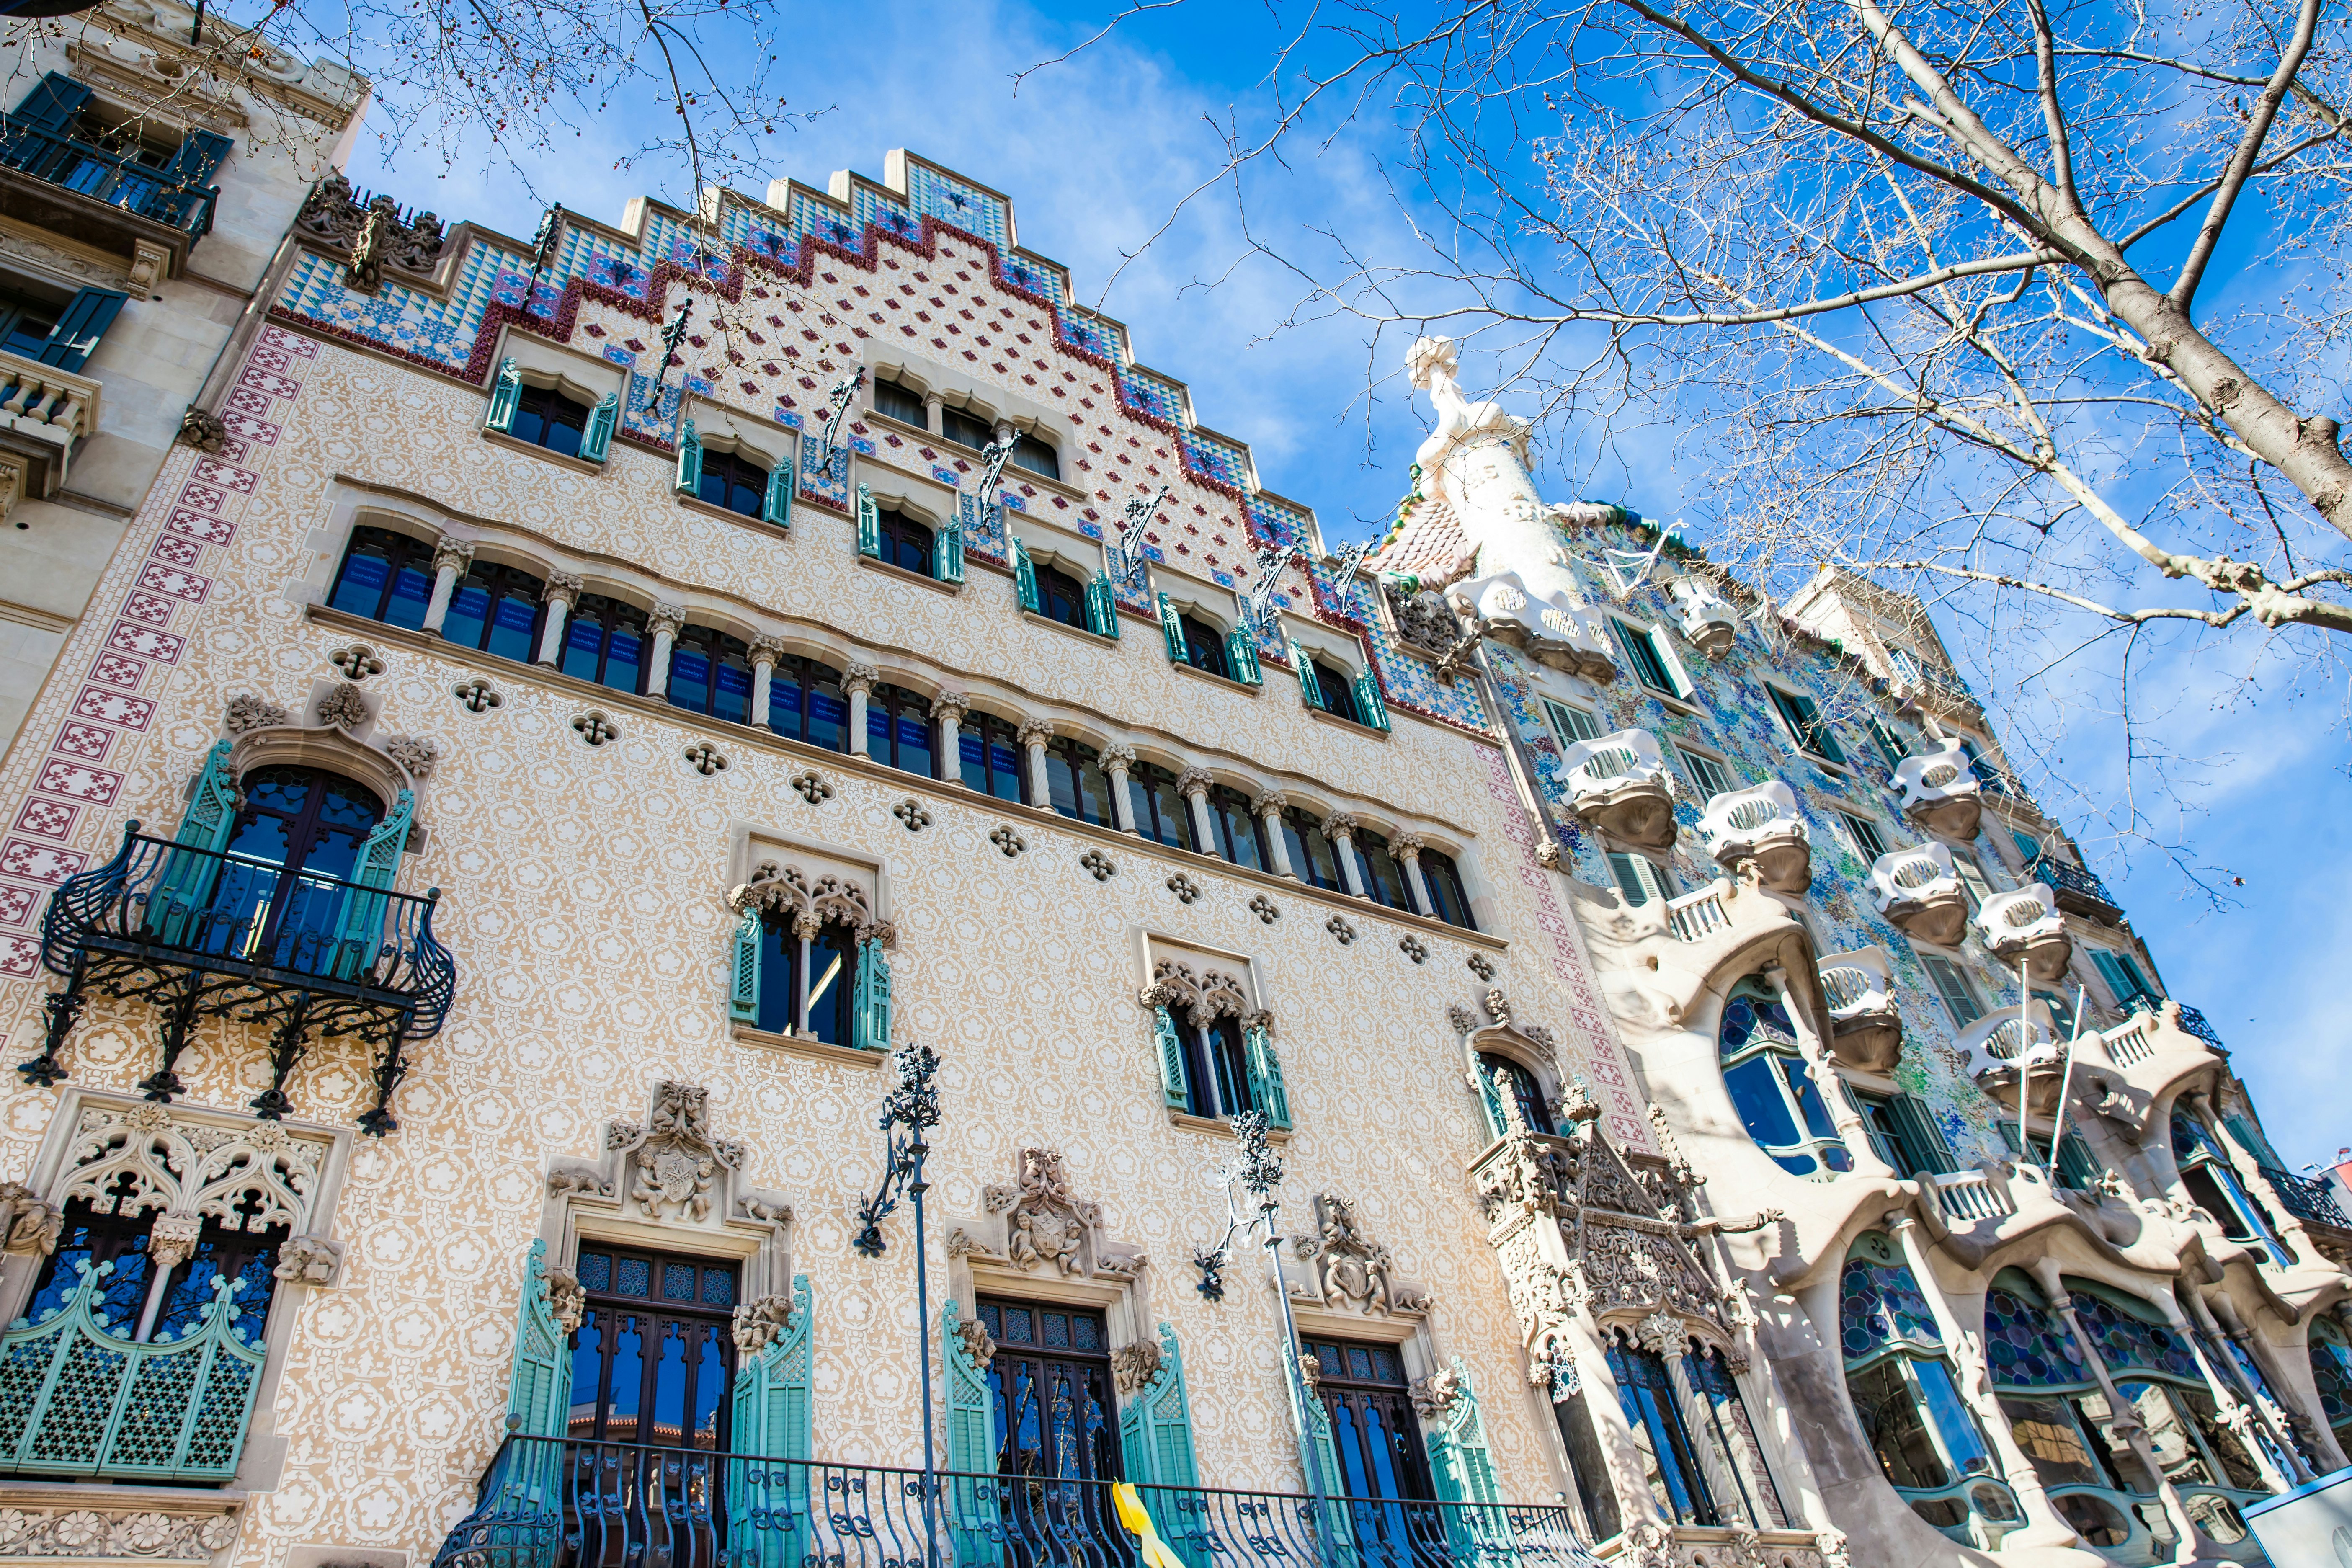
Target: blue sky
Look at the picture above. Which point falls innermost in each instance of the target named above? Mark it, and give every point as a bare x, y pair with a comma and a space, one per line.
1096, 151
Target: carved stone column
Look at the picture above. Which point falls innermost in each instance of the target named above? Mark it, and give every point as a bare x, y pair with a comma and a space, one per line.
857, 680
2042, 1525
1267, 808
1195, 787
1116, 759
931, 413
765, 651
2239, 1414
1408, 847
806, 926
2309, 1425
2127, 1423
1340, 828
665, 623
1035, 733
563, 591
452, 559
948, 708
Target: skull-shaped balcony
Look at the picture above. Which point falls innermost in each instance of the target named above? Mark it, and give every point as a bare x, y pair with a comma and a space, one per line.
1759, 826
1619, 784
1919, 891
1549, 628
2010, 1056
1707, 621
1866, 1027
2025, 929
200, 932
1940, 791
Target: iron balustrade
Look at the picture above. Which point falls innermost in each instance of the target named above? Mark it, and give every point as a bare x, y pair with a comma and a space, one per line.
202, 932
553, 1502
2192, 1022
2309, 1199
107, 176
2077, 890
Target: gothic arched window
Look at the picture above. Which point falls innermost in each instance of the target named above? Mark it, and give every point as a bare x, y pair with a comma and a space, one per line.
1526, 1092
1773, 1087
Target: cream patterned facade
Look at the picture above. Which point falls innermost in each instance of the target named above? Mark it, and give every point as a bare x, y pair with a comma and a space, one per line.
641, 902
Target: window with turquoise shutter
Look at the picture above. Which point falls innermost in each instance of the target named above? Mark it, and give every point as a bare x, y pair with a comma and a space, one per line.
506, 397
1168, 1044
1155, 1431
1464, 1472
769, 1505
689, 461
971, 1492
870, 1007
1024, 578
1172, 631
1267, 1091
1241, 657
869, 525
1102, 607
596, 442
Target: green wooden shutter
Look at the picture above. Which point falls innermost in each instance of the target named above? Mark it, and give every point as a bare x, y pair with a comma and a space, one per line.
1922, 1139
768, 1504
947, 553
1240, 653
360, 933
87, 316
1025, 577
1370, 707
1102, 607
1319, 1458
187, 884
689, 461
1464, 1473
777, 508
743, 985
1265, 1078
596, 441
1172, 629
506, 397
2077, 1169
1490, 1098
54, 103
1305, 666
1173, 1086
973, 1489
869, 1009
1156, 1428
539, 1393
869, 525
2250, 1138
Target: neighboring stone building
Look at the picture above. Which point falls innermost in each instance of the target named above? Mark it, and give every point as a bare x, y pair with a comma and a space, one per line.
588, 732
145, 191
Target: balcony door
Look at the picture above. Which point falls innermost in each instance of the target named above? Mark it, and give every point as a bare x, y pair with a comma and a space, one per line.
1377, 1439
280, 896
1057, 1430
653, 1358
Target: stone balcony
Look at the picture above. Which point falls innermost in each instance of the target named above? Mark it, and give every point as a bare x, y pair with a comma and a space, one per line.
45, 413
1707, 622
1760, 825
2010, 1055
2025, 930
1866, 1027
1620, 783
1919, 891
1549, 628
1941, 794
2124, 1071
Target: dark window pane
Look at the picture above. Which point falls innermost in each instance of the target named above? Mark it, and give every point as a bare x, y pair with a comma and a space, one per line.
957, 426
1447, 899
895, 401
1030, 453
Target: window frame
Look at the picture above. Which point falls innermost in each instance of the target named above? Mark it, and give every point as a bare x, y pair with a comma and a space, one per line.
1438, 869
985, 730
730, 467
895, 705
1863, 831
555, 401
919, 420
1143, 779
1048, 574
606, 618
1812, 1143
809, 677
1027, 439
950, 416
1640, 875
1362, 843
1189, 622
1698, 764
1809, 731
723, 649
1078, 759
1567, 718
894, 530
402, 553
1938, 968
1226, 803
1301, 831
1636, 638
1336, 692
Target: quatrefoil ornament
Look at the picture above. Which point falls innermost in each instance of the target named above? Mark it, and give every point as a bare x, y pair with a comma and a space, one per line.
910, 813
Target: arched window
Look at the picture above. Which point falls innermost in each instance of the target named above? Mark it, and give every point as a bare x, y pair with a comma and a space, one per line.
545, 417
1037, 457
906, 543
1061, 597
710, 672
1526, 1093
1773, 1087
281, 896
2207, 1174
1311, 854
805, 702
1382, 872
1447, 900
1646, 1392
134, 1303
1160, 813
990, 756
1204, 647
1376, 1438
965, 428
653, 1358
1236, 829
1336, 692
808, 974
387, 577
732, 480
605, 641
900, 403
1076, 784
496, 609
1217, 1070
1928, 1443
898, 730
2331, 1368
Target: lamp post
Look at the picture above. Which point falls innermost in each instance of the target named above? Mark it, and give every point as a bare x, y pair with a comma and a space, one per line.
909, 1111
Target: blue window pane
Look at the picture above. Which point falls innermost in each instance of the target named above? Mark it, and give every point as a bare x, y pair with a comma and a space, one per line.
970, 763
689, 680
511, 632
1004, 772
778, 960
1061, 785
732, 699
878, 731
467, 607
623, 655
1961, 1439
411, 592
784, 699
914, 746
361, 588
828, 720
583, 650
1809, 1099
1757, 1095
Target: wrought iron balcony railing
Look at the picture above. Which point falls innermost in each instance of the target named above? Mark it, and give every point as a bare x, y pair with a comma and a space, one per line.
2078, 891
107, 176
2192, 1022
2309, 1199
80, 1396
199, 933
550, 1502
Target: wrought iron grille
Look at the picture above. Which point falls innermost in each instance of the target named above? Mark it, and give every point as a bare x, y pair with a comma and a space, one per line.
550, 1502
2078, 891
2311, 1200
106, 176
80, 1397
201, 932
2192, 1022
